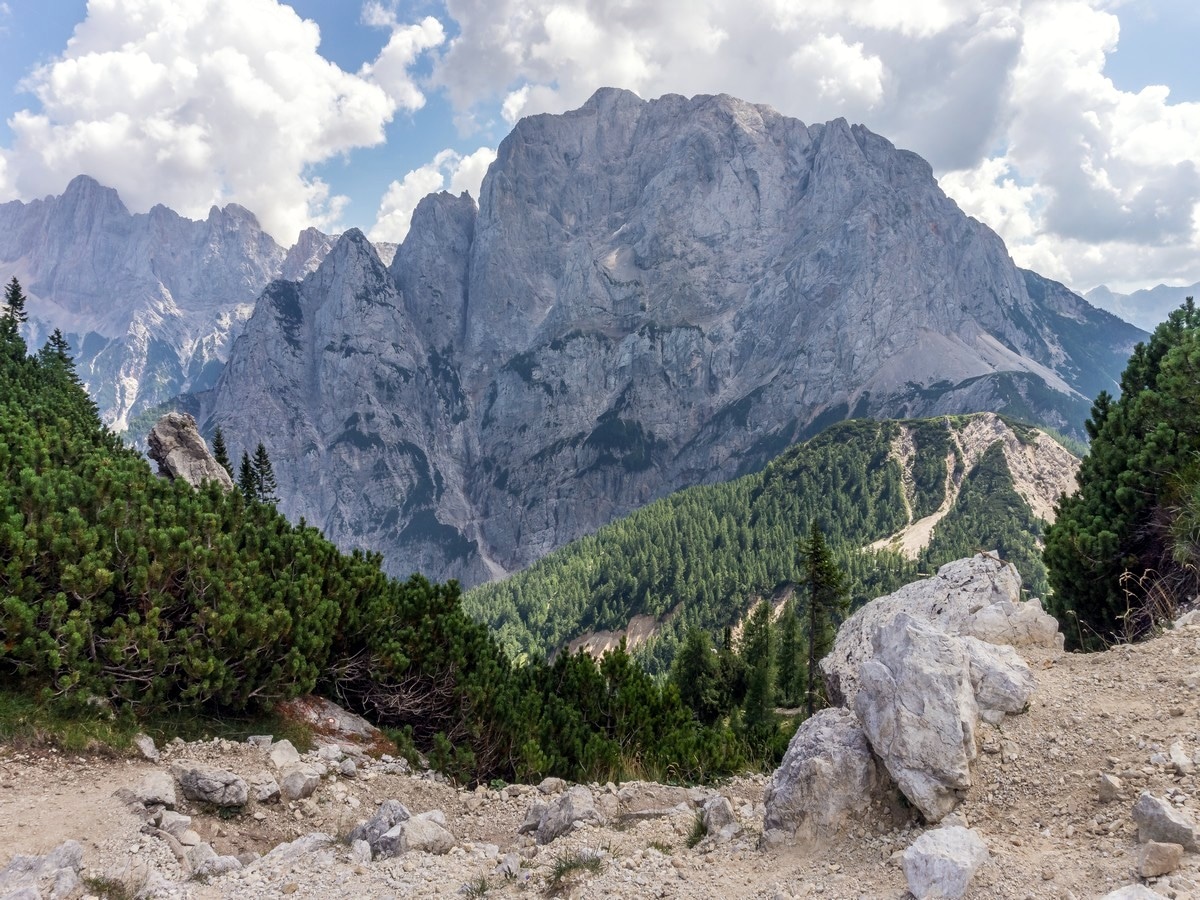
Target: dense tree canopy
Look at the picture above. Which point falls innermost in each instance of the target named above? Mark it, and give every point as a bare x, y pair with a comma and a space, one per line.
703, 557
1119, 543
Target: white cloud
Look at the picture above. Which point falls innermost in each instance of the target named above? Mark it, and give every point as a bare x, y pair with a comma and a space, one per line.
841, 71
195, 104
391, 69
447, 171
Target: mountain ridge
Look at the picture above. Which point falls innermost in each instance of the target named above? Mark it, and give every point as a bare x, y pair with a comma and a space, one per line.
649, 294
150, 302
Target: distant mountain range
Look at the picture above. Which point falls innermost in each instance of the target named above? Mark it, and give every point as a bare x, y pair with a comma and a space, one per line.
151, 302
1145, 308
648, 295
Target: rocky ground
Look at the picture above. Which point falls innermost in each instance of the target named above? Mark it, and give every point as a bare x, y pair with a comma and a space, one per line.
1036, 801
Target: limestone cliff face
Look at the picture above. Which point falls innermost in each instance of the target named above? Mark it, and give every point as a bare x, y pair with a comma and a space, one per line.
150, 303
648, 295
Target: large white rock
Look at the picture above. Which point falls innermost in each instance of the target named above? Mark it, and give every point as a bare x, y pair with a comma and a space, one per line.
942, 862
176, 445
828, 777
918, 711
977, 597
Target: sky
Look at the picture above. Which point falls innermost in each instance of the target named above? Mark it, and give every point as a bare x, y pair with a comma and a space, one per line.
1071, 127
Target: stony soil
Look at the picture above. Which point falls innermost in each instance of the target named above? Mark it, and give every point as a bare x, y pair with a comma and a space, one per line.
1035, 801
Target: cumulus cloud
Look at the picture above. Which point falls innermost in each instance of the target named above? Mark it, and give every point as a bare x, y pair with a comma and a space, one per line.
447, 171
1007, 99
196, 104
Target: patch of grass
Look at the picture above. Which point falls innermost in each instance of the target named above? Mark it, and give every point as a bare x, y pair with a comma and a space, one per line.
475, 889
569, 867
31, 720
28, 721
699, 832
108, 888
662, 847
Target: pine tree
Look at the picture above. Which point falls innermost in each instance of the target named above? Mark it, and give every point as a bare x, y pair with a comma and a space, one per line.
758, 654
791, 677
264, 476
247, 483
696, 673
14, 302
221, 452
12, 319
825, 589
1118, 522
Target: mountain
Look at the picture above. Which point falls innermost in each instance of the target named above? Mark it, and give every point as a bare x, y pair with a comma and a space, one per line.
648, 295
150, 302
913, 494
1144, 308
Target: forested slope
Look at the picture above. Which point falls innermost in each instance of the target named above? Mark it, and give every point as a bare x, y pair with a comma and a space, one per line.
121, 590
703, 556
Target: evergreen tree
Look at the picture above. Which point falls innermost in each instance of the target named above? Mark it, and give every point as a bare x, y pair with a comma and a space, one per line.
264, 476
1117, 524
825, 592
696, 674
12, 319
758, 655
792, 672
14, 302
247, 483
221, 452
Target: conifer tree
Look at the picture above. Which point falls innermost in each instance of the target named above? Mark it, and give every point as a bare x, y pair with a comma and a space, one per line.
696, 673
758, 654
264, 476
246, 480
825, 589
791, 678
13, 317
221, 452
1117, 524
14, 302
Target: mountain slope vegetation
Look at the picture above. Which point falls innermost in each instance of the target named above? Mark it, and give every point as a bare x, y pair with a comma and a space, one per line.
123, 590
702, 557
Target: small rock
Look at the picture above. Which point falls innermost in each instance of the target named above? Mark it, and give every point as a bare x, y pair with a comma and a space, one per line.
390, 814
265, 787
1133, 892
145, 746
1156, 859
209, 785
942, 862
156, 789
260, 740
1158, 820
1180, 760
360, 851
347, 768
718, 812
283, 753
298, 781
1110, 788
533, 818
552, 785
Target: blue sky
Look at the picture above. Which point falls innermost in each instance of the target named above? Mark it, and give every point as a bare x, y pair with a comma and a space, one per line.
1072, 127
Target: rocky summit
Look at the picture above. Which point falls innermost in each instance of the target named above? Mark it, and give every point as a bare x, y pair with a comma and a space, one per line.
1087, 788
150, 303
648, 295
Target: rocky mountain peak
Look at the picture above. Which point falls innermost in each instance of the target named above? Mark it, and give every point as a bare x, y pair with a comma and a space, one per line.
649, 294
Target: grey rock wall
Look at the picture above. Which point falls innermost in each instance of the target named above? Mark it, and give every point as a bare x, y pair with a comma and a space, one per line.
649, 294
